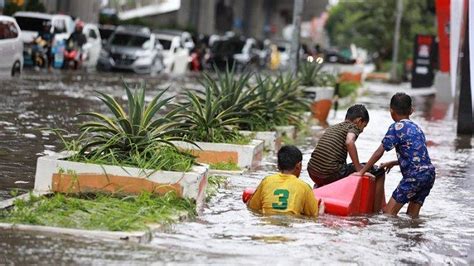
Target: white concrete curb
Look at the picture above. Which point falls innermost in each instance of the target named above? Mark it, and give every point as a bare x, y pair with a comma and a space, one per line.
248, 156
271, 139
193, 183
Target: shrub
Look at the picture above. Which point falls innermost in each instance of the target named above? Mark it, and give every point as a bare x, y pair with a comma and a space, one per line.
138, 138
311, 74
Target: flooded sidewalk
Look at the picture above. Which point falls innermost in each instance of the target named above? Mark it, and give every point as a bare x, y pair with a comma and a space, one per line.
226, 232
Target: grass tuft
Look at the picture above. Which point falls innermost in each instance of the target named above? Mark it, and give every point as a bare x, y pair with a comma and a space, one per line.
229, 166
214, 182
98, 212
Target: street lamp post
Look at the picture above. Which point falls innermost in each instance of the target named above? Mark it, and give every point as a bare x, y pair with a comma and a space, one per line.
295, 38
396, 41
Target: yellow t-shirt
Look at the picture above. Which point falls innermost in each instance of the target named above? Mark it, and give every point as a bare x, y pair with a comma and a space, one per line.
284, 194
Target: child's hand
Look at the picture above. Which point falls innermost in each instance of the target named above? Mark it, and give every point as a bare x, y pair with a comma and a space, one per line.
388, 166
364, 174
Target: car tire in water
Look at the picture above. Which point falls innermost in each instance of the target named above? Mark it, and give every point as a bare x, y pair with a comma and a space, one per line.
16, 69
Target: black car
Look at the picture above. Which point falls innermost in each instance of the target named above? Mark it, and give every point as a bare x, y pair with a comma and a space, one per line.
221, 53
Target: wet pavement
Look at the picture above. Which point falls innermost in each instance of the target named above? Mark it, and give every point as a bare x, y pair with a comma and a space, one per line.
226, 232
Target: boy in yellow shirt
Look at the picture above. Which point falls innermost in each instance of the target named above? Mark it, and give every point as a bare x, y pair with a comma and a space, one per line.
284, 193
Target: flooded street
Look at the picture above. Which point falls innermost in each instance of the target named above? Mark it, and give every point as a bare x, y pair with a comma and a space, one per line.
226, 232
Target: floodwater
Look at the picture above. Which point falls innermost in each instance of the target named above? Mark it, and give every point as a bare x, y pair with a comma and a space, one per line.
226, 232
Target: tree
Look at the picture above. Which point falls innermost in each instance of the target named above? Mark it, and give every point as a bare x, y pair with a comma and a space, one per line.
35, 5
370, 24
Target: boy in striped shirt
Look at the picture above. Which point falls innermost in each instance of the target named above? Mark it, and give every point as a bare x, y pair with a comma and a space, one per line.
328, 160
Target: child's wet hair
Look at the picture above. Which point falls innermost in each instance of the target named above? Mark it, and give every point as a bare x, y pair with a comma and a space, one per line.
288, 157
401, 103
357, 111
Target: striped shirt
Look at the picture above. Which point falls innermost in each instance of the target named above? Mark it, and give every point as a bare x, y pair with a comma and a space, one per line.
330, 153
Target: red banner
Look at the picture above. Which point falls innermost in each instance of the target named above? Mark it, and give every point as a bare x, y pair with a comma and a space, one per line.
443, 16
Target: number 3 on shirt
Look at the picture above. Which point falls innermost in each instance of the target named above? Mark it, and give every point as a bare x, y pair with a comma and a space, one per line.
282, 199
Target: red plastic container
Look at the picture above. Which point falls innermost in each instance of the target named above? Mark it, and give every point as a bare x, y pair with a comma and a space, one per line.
353, 195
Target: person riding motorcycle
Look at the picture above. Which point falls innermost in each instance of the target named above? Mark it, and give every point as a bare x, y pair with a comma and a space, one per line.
74, 43
43, 45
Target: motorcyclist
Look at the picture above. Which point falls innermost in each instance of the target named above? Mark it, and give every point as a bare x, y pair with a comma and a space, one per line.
43, 46
75, 43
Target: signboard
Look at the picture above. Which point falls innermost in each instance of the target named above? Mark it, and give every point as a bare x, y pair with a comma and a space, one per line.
424, 55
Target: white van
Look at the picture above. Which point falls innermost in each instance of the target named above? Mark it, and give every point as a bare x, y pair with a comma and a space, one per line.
31, 23
11, 47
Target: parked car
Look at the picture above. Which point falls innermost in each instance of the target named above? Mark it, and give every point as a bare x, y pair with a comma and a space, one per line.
132, 49
93, 46
176, 50
105, 32
221, 52
11, 47
334, 56
31, 23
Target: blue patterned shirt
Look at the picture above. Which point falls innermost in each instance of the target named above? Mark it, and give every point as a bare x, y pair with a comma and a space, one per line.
409, 141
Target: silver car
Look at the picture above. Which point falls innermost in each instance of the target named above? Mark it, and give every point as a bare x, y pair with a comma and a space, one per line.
132, 49
11, 47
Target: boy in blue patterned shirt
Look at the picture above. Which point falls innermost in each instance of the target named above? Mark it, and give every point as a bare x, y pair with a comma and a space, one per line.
409, 142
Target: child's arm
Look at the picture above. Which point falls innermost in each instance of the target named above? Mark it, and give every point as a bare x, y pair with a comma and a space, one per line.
388, 165
352, 150
311, 205
255, 202
373, 159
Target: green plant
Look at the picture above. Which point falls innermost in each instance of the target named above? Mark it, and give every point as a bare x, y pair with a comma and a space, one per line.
240, 96
142, 137
229, 166
214, 182
98, 212
205, 119
347, 88
311, 74
281, 102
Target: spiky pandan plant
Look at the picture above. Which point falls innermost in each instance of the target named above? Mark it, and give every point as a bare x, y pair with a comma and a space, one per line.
238, 94
133, 136
311, 74
281, 102
205, 119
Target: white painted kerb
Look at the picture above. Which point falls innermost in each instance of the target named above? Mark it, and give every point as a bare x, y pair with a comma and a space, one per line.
48, 165
245, 153
270, 138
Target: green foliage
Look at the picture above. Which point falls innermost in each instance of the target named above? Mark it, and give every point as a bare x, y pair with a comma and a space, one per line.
214, 182
206, 120
35, 5
370, 24
98, 212
311, 74
31, 5
138, 138
213, 115
10, 9
347, 88
281, 102
229, 166
155, 157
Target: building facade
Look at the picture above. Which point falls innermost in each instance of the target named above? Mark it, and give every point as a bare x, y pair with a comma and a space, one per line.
86, 10
255, 18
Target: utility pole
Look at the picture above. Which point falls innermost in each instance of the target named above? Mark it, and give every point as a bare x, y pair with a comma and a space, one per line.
295, 40
396, 40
